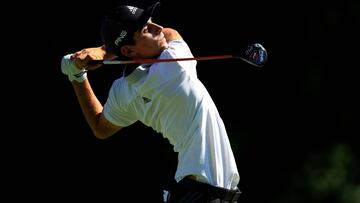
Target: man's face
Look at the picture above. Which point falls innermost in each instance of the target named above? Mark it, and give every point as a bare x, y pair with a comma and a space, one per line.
149, 41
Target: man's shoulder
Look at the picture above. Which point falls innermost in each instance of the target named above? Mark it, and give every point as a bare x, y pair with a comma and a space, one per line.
177, 47
177, 44
171, 34
119, 83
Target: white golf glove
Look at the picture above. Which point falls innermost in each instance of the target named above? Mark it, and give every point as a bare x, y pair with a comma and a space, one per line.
69, 68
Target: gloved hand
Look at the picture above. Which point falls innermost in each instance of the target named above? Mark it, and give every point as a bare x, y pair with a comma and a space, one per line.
69, 68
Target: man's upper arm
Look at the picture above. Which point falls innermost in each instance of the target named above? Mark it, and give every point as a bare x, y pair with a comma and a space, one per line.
106, 128
171, 34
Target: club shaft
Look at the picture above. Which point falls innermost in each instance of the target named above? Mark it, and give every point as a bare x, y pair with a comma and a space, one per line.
142, 61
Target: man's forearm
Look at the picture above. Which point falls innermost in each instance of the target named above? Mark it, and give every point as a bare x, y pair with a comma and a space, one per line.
90, 105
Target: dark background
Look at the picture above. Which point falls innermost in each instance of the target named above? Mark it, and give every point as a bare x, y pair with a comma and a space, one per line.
292, 124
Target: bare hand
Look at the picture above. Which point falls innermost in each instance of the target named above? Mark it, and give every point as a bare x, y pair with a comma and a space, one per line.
82, 57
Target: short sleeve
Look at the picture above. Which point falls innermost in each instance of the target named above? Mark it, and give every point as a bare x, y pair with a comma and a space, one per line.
116, 109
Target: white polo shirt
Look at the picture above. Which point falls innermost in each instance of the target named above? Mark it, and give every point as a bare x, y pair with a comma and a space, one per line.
171, 99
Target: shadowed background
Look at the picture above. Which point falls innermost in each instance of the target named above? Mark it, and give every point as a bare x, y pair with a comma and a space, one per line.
291, 125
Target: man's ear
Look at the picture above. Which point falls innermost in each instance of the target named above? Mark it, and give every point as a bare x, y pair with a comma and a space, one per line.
127, 50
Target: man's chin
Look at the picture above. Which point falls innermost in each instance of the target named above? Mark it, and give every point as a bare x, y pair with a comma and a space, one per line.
164, 46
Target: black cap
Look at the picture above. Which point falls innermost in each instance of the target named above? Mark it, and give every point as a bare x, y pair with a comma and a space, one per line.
121, 23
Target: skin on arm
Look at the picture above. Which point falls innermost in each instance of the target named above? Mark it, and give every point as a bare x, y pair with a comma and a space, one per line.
171, 34
89, 103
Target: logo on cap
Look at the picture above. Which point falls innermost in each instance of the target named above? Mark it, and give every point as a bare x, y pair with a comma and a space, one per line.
120, 38
132, 9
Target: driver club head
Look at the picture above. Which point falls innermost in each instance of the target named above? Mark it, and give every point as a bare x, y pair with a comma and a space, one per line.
254, 54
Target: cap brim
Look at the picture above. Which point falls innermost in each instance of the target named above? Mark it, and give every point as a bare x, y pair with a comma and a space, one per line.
147, 13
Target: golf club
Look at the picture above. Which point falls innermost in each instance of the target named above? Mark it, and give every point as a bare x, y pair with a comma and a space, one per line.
254, 54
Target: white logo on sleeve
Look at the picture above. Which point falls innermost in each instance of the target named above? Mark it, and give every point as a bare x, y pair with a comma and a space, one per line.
120, 38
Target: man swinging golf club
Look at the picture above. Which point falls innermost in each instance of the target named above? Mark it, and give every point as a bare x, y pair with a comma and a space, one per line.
169, 97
